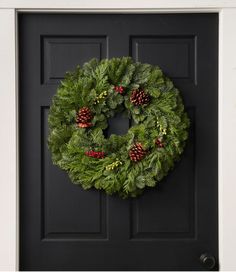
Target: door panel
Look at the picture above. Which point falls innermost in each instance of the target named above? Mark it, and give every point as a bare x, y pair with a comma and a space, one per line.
64, 227
75, 49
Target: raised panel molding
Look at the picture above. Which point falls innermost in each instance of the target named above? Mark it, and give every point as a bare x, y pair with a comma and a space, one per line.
83, 216
76, 49
175, 55
147, 220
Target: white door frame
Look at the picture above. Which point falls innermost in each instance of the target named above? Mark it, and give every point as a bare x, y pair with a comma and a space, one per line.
9, 148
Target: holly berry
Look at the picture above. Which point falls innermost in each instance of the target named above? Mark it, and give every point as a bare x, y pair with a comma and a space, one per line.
95, 154
119, 89
159, 143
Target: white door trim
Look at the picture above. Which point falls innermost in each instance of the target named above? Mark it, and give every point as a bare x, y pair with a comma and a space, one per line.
9, 149
122, 4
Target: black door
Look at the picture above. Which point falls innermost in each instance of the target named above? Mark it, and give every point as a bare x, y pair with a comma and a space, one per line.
63, 227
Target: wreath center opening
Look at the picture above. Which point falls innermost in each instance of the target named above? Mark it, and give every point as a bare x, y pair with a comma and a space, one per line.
119, 124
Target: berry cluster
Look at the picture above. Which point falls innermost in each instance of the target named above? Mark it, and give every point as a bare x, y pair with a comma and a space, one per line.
100, 97
159, 143
95, 154
119, 89
114, 165
161, 128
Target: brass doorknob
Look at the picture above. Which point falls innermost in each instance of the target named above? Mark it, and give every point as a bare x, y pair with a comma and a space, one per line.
208, 261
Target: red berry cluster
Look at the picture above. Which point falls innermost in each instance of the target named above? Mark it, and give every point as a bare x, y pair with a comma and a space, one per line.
95, 154
159, 143
119, 89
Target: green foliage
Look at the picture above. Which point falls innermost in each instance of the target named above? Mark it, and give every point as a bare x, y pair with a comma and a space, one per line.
93, 86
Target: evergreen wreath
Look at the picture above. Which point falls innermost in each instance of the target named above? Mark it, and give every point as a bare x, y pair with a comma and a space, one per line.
123, 164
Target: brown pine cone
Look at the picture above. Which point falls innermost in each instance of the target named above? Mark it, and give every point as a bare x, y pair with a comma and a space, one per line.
84, 117
139, 97
137, 153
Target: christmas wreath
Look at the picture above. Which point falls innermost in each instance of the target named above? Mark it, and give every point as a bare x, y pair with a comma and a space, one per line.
123, 164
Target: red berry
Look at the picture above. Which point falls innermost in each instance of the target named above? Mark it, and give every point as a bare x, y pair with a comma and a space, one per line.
119, 89
95, 154
159, 143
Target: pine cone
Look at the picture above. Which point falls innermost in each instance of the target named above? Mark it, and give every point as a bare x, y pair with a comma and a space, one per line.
139, 97
137, 153
159, 143
83, 117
